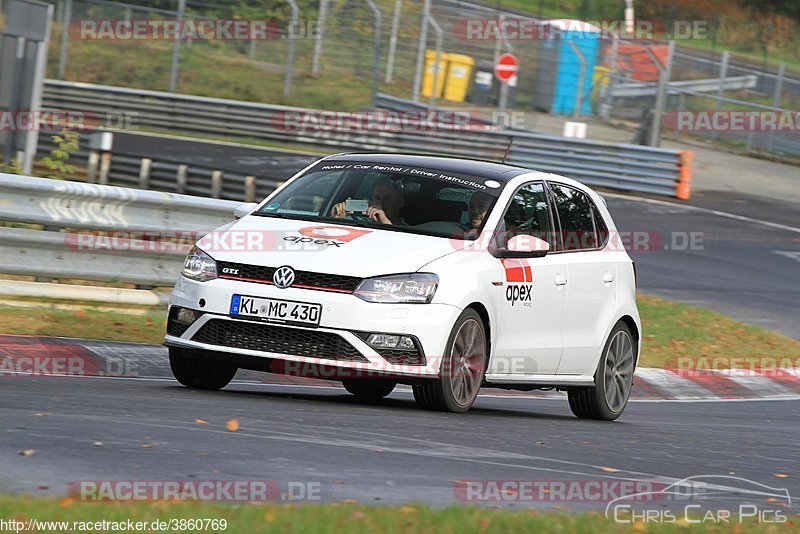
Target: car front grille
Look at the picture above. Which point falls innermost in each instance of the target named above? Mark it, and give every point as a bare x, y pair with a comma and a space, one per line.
302, 279
278, 339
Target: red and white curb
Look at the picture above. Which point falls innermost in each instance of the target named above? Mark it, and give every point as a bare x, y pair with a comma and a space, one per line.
716, 384
50, 356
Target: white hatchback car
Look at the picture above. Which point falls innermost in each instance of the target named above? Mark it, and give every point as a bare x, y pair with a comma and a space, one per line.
444, 274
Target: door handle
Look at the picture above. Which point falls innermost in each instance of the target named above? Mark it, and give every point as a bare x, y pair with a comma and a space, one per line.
560, 280
608, 277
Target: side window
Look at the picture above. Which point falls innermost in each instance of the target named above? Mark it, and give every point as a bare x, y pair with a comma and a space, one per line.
575, 213
601, 228
529, 214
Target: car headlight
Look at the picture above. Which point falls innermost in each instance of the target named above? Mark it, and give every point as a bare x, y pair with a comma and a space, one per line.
199, 266
414, 288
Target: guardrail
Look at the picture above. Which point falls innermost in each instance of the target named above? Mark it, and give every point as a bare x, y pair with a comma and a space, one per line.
175, 172
620, 166
733, 83
96, 232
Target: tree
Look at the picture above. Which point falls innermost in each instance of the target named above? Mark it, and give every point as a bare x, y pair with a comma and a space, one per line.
789, 8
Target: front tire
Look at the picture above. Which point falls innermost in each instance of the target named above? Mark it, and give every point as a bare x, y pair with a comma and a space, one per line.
369, 389
196, 372
463, 367
613, 379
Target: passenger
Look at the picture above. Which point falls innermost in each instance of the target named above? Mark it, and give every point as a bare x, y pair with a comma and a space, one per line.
387, 201
479, 205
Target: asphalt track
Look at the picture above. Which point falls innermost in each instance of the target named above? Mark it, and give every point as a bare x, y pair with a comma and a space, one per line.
384, 453
272, 162
741, 266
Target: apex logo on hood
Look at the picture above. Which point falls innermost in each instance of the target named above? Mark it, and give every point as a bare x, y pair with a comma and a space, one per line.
335, 236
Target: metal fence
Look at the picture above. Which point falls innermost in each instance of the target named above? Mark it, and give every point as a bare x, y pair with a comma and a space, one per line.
95, 232
708, 84
325, 53
625, 167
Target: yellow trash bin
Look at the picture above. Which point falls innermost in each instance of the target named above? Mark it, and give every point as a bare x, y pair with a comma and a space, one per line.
430, 68
600, 80
459, 75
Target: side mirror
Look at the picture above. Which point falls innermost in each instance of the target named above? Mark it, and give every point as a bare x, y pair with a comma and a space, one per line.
244, 209
525, 246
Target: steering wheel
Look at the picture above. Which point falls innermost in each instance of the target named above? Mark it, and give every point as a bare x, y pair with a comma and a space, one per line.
360, 216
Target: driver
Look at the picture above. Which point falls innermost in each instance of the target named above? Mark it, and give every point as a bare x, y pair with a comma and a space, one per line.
478, 207
387, 201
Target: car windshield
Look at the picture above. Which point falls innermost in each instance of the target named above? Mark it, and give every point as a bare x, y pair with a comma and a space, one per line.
394, 197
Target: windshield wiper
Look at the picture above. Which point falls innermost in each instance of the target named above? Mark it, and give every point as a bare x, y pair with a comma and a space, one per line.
262, 214
318, 219
286, 216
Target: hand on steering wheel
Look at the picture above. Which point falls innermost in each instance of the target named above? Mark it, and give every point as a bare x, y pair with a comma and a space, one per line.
359, 216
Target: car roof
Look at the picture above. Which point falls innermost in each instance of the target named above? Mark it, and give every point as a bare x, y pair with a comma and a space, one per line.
475, 167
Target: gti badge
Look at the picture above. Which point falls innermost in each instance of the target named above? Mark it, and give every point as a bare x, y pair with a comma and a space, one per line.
283, 277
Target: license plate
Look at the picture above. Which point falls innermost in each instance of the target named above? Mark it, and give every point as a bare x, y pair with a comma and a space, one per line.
276, 311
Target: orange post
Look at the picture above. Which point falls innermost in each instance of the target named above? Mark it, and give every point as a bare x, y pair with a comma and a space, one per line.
683, 186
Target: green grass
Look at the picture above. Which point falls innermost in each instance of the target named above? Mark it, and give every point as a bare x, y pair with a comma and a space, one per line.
671, 330
349, 517
209, 70
84, 322
773, 59
311, 149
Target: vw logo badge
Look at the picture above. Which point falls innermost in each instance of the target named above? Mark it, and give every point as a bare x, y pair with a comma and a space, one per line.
283, 277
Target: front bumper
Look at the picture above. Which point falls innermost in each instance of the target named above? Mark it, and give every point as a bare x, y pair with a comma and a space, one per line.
343, 315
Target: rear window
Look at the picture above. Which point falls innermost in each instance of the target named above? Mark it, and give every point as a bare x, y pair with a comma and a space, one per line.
576, 214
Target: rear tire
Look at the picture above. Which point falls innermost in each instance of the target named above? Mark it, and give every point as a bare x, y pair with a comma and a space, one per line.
613, 379
369, 389
463, 368
197, 372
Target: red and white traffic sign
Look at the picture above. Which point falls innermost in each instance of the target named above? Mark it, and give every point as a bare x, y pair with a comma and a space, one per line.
506, 67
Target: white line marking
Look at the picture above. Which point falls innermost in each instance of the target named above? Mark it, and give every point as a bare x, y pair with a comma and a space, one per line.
791, 254
706, 210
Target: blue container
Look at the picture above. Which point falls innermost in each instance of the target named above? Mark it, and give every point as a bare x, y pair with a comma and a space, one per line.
558, 66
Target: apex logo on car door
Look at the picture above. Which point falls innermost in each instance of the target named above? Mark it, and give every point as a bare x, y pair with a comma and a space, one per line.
530, 302
519, 281
591, 292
